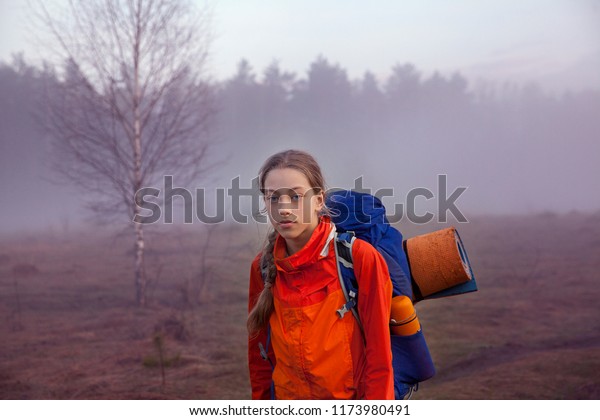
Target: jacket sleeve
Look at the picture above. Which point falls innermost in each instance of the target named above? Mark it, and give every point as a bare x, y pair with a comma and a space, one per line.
374, 303
260, 369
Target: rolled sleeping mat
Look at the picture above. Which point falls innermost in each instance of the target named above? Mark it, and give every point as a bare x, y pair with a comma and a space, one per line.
439, 265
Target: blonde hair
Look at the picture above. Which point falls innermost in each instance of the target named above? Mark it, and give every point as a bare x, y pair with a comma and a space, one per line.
307, 165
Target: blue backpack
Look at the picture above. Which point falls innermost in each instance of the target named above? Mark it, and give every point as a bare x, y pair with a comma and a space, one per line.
359, 215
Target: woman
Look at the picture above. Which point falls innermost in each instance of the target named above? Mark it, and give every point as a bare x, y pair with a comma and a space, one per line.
298, 347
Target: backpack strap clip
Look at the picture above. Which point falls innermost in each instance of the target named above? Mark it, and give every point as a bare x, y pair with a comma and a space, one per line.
348, 282
347, 307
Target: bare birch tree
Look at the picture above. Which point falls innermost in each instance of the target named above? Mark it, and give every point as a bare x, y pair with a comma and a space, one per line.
131, 103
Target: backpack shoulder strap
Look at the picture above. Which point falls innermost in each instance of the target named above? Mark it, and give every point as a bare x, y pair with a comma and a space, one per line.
348, 281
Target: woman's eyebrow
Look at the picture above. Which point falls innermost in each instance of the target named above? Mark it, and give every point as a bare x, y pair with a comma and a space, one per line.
279, 189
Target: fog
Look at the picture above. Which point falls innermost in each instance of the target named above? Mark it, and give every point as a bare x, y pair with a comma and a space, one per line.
516, 148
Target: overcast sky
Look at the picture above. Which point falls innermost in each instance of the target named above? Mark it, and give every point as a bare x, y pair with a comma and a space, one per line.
556, 42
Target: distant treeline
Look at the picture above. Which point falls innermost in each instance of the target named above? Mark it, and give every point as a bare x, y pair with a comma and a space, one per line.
525, 143
406, 105
517, 147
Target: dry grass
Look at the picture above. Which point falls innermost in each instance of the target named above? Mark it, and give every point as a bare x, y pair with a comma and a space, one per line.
70, 329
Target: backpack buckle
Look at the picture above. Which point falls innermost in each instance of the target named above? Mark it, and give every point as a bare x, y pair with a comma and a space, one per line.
346, 307
342, 311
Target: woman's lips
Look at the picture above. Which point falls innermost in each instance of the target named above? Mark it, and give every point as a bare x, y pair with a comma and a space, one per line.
286, 223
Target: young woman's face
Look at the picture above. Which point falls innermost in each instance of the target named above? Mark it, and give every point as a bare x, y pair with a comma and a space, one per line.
293, 206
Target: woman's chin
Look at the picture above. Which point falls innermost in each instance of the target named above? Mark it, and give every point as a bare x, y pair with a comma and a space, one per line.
288, 232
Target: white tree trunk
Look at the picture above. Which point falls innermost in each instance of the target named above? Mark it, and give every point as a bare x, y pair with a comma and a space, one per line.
140, 277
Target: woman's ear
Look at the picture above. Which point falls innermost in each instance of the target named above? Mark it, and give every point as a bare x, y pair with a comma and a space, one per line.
320, 197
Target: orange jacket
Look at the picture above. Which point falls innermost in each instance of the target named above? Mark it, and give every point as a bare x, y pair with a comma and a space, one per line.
316, 354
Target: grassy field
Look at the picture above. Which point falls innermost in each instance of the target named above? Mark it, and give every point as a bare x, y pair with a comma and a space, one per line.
70, 328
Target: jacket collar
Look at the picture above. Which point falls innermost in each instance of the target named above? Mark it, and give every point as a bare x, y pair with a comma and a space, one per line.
315, 249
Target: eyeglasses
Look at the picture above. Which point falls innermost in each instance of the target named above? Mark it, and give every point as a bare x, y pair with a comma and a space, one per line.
276, 198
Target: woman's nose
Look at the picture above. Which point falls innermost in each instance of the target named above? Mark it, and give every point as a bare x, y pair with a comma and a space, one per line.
285, 209
285, 205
